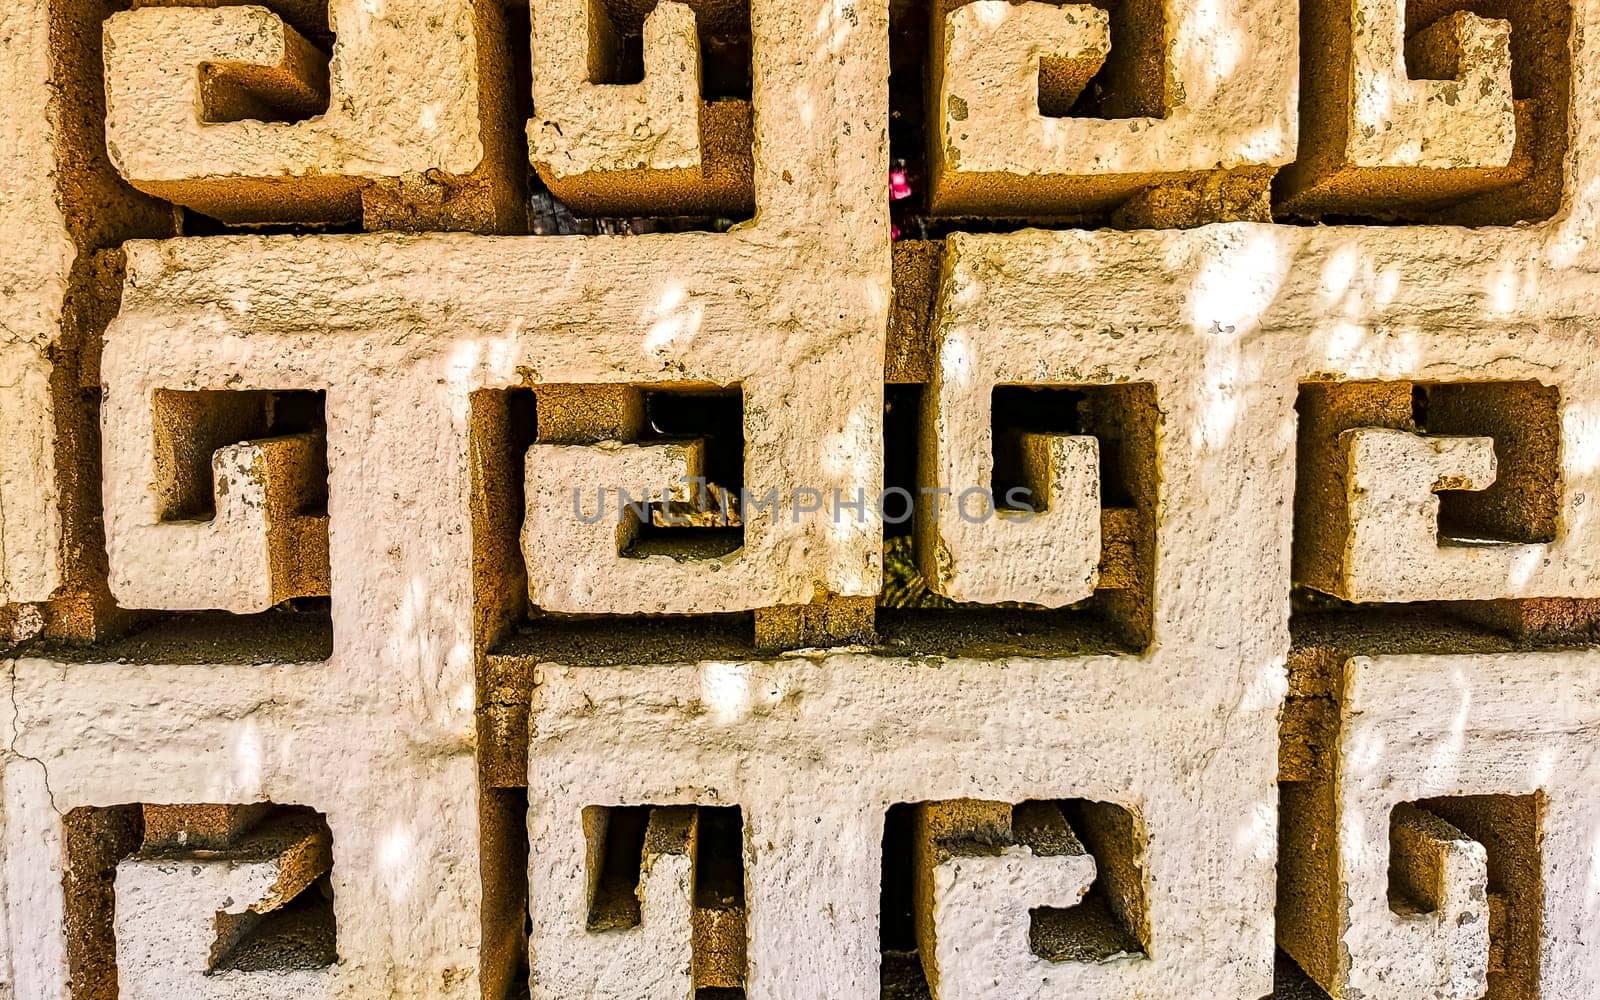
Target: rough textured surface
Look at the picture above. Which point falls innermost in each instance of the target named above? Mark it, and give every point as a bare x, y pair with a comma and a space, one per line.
183, 917
187, 90
263, 541
654, 145
968, 881
1178, 730
1423, 845
1427, 111
1007, 136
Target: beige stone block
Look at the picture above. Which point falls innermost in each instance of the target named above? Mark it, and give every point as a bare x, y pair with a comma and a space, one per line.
1050, 555
179, 915
231, 112
259, 545
1394, 551
815, 749
1003, 139
1483, 506
1453, 131
583, 506
35, 264
653, 146
30, 521
307, 16
1442, 878
973, 549
409, 906
1421, 854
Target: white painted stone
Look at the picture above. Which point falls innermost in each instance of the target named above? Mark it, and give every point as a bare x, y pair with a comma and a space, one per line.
1226, 322
1395, 552
978, 914
170, 917
34, 263
970, 549
1446, 949
652, 960
1423, 726
574, 566
815, 749
1397, 121
30, 521
990, 80
381, 736
585, 126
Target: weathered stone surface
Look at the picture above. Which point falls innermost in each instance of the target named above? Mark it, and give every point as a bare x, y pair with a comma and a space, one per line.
650, 146
258, 540
1005, 137
230, 111
1238, 688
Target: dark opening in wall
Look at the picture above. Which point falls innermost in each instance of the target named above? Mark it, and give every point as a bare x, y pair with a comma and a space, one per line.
625, 841
1523, 503
1111, 920
723, 29
191, 426
902, 415
296, 931
614, 894
710, 524
1017, 410
900, 969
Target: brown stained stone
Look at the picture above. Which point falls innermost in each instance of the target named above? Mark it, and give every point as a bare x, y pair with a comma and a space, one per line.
199, 827
916, 282
832, 621
584, 414
94, 841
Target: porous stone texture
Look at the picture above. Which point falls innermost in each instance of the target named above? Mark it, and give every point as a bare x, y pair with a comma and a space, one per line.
967, 880
1289, 689
1446, 112
1005, 137
181, 914
260, 544
969, 546
1442, 823
231, 111
1429, 108
652, 958
608, 146
1371, 522
35, 263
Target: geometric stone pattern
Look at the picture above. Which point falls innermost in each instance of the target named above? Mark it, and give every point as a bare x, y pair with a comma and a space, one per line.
1232, 632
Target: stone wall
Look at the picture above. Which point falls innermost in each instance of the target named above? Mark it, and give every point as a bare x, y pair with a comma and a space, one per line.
818, 500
